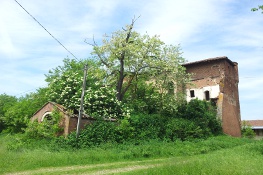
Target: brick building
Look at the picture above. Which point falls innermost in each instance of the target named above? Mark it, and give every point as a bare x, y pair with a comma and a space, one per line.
68, 121
216, 79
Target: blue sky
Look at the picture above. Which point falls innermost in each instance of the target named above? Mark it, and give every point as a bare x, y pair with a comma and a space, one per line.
203, 28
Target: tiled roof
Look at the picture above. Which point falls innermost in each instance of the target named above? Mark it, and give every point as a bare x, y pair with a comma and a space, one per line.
255, 123
209, 60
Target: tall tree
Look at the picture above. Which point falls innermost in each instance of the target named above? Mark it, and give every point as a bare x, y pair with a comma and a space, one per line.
65, 82
128, 56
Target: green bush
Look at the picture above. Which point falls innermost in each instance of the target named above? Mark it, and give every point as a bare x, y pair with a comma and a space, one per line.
96, 133
193, 120
124, 131
148, 126
134, 129
204, 115
49, 128
247, 130
183, 129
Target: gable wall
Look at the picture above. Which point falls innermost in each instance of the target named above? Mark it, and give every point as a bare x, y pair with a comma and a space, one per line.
49, 107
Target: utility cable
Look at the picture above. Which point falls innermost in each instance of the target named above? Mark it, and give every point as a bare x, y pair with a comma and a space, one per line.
46, 30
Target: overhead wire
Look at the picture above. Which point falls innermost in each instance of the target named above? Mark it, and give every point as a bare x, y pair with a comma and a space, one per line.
50, 35
46, 30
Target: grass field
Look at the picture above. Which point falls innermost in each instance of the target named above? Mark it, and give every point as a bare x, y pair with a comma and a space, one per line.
217, 155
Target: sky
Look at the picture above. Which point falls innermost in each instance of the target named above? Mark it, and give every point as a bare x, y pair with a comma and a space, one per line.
204, 29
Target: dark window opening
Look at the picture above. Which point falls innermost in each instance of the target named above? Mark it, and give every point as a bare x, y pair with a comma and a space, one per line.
48, 117
214, 101
192, 93
207, 95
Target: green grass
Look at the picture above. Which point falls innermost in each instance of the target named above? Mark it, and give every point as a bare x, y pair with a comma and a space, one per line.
217, 155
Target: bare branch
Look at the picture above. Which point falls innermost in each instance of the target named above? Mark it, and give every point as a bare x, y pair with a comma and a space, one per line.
135, 19
124, 29
85, 41
94, 42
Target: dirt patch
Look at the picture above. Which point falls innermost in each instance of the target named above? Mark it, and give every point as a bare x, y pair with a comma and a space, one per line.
89, 169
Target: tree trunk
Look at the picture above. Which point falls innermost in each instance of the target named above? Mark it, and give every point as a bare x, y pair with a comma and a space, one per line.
121, 78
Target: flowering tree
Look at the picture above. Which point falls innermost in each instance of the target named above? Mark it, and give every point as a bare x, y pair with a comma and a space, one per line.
102, 102
65, 87
128, 56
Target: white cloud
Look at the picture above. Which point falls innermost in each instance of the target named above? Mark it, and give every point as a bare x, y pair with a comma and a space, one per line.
177, 21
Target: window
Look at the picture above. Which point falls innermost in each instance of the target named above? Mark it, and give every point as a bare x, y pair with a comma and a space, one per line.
207, 95
47, 116
192, 93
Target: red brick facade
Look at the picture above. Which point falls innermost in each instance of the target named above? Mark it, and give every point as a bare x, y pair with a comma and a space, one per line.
68, 121
217, 79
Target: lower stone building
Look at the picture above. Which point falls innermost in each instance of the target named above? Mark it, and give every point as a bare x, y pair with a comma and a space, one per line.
216, 80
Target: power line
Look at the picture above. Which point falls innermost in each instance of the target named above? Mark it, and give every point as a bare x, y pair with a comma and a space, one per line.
46, 30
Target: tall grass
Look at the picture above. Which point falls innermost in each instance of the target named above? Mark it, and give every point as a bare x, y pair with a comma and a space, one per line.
17, 155
241, 160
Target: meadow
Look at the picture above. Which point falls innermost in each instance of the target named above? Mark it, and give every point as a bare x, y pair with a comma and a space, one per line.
215, 155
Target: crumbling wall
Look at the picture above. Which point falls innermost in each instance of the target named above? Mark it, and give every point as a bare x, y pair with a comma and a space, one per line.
217, 80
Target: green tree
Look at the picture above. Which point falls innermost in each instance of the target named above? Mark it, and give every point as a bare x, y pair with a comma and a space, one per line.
65, 82
17, 116
128, 57
65, 87
6, 101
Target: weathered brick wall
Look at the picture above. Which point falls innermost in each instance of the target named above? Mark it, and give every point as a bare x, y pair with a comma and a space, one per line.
205, 73
231, 108
225, 73
73, 123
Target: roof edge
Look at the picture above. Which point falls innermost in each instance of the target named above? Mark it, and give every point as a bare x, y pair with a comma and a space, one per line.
211, 59
53, 103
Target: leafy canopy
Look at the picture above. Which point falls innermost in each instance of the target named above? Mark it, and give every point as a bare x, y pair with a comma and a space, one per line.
128, 57
17, 112
65, 87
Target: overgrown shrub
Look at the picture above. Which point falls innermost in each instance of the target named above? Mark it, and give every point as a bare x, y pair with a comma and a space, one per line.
96, 133
148, 126
247, 130
49, 128
204, 115
183, 129
194, 120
